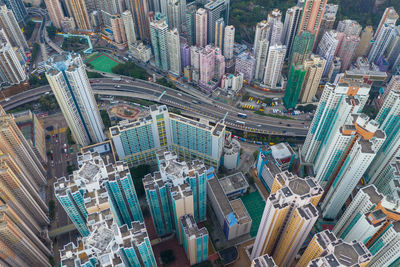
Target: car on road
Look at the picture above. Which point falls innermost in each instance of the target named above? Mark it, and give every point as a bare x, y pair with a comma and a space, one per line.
258, 125
65, 146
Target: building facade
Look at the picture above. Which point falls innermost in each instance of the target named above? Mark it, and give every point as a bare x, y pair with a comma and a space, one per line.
288, 217
68, 80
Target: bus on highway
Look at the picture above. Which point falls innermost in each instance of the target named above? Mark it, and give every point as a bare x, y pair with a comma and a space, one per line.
240, 122
242, 115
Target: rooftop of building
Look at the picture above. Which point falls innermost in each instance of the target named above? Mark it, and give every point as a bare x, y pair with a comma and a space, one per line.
372, 192
264, 261
126, 125
240, 211
104, 149
303, 187
219, 194
233, 182
282, 151
349, 254
190, 227
325, 238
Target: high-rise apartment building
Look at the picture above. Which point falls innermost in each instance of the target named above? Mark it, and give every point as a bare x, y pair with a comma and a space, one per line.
33, 131
290, 26
314, 68
334, 107
55, 12
345, 158
23, 211
174, 51
201, 27
78, 10
178, 188
347, 51
390, 175
14, 144
328, 20
20, 246
195, 239
365, 42
288, 217
188, 138
328, 47
264, 261
245, 63
129, 26
12, 72
110, 244
140, 10
108, 186
340, 253
302, 48
174, 15
207, 64
158, 33
18, 8
373, 219
382, 41
215, 9
294, 85
349, 27
275, 21
366, 199
262, 32
261, 58
313, 12
273, 68
190, 24
388, 118
219, 33
117, 26
229, 40
68, 80
11, 28
389, 17
316, 247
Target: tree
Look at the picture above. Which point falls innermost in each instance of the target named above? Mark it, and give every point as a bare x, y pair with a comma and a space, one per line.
35, 51
130, 69
28, 29
52, 210
52, 31
137, 174
70, 169
267, 101
167, 256
105, 118
163, 81
92, 74
48, 103
255, 154
70, 139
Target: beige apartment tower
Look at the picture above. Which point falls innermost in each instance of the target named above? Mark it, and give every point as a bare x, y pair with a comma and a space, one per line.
289, 215
55, 12
314, 68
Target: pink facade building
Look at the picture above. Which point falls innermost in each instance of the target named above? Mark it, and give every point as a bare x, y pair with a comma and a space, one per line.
207, 64
118, 29
347, 51
201, 27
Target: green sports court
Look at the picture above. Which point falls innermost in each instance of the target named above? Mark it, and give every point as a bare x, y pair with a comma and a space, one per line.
254, 204
102, 61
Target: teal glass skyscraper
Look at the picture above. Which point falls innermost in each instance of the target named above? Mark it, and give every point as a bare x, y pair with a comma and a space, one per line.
157, 195
72, 200
195, 240
122, 195
389, 119
96, 186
